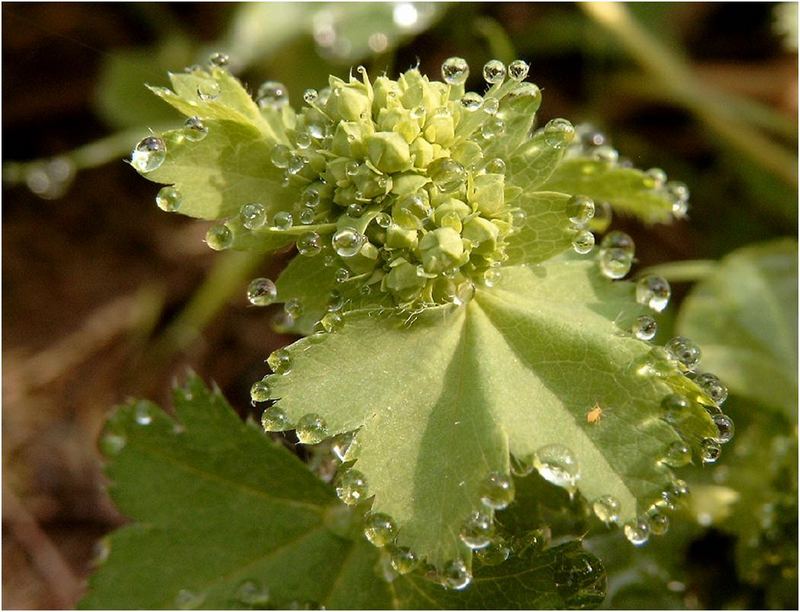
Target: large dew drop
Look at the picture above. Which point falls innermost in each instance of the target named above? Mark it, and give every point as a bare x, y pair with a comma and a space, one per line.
403, 559
219, 237
713, 387
351, 487
583, 242
347, 242
614, 263
447, 174
645, 327
261, 292
280, 361
379, 529
497, 491
456, 575
149, 154
678, 455
725, 428
275, 419
494, 71
259, 392
495, 553
169, 199
518, 70
683, 350
607, 508
253, 215
252, 594
272, 94
309, 244
659, 522
557, 464
558, 133
194, 130
311, 429
710, 450
580, 210
637, 531
455, 71
653, 291
478, 530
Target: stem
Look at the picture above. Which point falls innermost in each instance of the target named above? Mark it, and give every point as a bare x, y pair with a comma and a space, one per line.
689, 271
674, 73
227, 277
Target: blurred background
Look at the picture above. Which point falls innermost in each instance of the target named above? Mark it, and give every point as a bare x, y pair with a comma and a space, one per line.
106, 297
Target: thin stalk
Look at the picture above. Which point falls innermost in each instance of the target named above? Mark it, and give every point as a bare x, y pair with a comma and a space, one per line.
688, 271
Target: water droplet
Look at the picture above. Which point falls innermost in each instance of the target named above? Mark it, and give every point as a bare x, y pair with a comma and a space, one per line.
275, 419
310, 96
310, 197
194, 130
645, 327
614, 263
713, 387
558, 133
259, 392
347, 242
518, 70
309, 244
169, 199
341, 445
657, 178
311, 429
491, 106
607, 508
280, 156
383, 220
355, 210
478, 530
455, 71
678, 454
447, 174
261, 292
379, 529
522, 466
557, 464
710, 450
497, 491
142, 414
637, 531
272, 94
456, 576
653, 291
208, 92
149, 154
294, 308
495, 553
493, 127
580, 210
403, 559
282, 220
253, 215
496, 166
678, 191
725, 428
684, 351
188, 600
332, 322
658, 521
583, 242
112, 443
218, 59
351, 168
280, 361
296, 164
674, 406
518, 218
605, 154
471, 101
219, 237
252, 594
351, 487
302, 140
619, 240
494, 71
491, 277
307, 216
580, 580
342, 275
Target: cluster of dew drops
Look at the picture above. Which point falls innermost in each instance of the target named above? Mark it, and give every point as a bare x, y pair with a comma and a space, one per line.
554, 462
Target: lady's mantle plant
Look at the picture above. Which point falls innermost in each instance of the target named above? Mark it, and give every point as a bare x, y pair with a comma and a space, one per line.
461, 326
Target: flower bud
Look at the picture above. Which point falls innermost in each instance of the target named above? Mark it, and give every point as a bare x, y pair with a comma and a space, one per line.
388, 152
440, 249
486, 194
482, 233
400, 238
404, 282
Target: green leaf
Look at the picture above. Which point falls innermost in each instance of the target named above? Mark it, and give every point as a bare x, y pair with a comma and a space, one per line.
629, 191
226, 518
226, 169
545, 232
744, 316
304, 279
531, 165
441, 402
